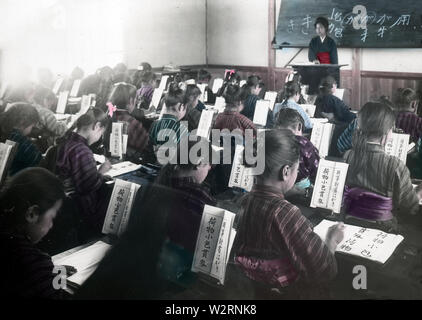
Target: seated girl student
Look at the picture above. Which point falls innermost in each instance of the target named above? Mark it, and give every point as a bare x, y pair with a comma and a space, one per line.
169, 127
329, 106
15, 125
145, 92
254, 86
291, 120
232, 118
122, 101
275, 243
406, 103
28, 205
344, 142
291, 98
76, 166
184, 221
378, 186
191, 100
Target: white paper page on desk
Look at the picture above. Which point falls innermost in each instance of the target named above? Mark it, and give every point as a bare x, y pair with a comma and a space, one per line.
339, 93
371, 244
57, 85
272, 97
261, 112
217, 84
156, 97
205, 123
122, 168
309, 109
329, 185
61, 104
190, 81
85, 261
75, 88
163, 83
398, 145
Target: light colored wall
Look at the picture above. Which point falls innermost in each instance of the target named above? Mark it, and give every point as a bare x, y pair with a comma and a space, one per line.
237, 32
61, 34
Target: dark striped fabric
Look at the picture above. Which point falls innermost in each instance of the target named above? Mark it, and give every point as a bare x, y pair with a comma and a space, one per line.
77, 167
49, 122
273, 229
344, 142
410, 123
27, 154
137, 135
168, 128
145, 93
385, 175
233, 120
26, 271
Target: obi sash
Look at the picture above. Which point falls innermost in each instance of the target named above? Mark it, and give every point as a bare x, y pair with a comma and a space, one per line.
278, 272
324, 57
364, 204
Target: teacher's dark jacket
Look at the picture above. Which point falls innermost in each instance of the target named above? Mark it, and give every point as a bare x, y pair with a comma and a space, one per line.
325, 52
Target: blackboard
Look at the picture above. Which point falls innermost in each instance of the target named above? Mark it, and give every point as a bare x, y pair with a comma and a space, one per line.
386, 23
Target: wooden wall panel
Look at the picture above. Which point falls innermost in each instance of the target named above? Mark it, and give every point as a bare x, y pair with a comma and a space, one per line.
373, 84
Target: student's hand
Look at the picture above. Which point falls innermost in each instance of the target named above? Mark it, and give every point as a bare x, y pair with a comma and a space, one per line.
105, 167
335, 235
70, 270
317, 62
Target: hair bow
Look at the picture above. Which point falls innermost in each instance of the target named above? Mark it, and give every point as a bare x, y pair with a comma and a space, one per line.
111, 109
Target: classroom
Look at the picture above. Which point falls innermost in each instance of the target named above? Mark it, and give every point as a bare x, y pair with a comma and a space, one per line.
211, 150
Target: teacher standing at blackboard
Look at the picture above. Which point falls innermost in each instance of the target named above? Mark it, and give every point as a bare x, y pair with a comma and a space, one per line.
322, 48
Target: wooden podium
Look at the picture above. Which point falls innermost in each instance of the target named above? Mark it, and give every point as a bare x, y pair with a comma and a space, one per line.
312, 74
